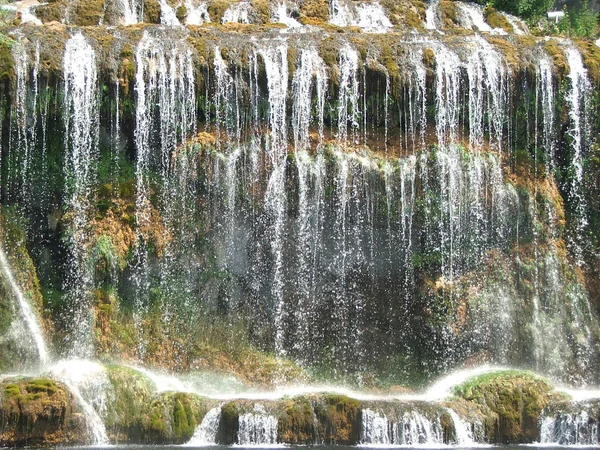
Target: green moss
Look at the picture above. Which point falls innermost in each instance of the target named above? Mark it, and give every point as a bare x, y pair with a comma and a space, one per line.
591, 58
517, 398
151, 11
339, 419
7, 63
228, 424
296, 424
184, 422
314, 10
181, 13
88, 13
262, 10
496, 19
448, 9
216, 9
558, 57
42, 385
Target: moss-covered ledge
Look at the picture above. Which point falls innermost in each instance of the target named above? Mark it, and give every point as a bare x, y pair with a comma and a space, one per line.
39, 412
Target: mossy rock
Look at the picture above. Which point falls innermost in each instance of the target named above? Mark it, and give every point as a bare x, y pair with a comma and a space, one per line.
131, 394
339, 419
518, 399
558, 57
449, 13
496, 19
216, 9
39, 412
229, 424
296, 424
151, 11
87, 13
314, 10
172, 417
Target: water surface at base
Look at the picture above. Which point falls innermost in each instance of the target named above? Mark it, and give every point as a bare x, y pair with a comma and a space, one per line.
324, 447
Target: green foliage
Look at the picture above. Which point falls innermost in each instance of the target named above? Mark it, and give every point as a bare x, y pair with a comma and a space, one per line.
579, 23
530, 10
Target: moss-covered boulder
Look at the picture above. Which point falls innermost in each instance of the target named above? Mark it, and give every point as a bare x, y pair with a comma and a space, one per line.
39, 412
296, 424
338, 419
515, 400
172, 417
130, 395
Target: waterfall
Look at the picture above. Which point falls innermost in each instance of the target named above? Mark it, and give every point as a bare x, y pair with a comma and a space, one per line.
348, 110
257, 428
447, 85
370, 17
206, 433
281, 16
546, 98
578, 99
275, 59
237, 12
487, 97
166, 102
196, 14
470, 16
375, 429
81, 129
167, 15
132, 11
89, 383
463, 435
27, 311
576, 428
431, 15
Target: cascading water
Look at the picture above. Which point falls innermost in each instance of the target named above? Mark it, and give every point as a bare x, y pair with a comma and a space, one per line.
89, 384
370, 17
27, 311
578, 99
206, 433
573, 428
348, 109
165, 88
238, 12
82, 133
197, 14
257, 427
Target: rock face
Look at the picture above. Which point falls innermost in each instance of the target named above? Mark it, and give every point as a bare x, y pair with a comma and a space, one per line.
39, 412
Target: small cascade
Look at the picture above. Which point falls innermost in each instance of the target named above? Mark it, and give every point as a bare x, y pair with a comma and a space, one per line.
573, 428
431, 15
132, 11
206, 433
311, 76
463, 433
197, 14
447, 88
168, 16
238, 13
82, 131
348, 109
276, 67
375, 429
470, 16
416, 125
88, 381
27, 311
281, 15
369, 16
578, 99
487, 95
416, 429
518, 25
546, 98
257, 427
